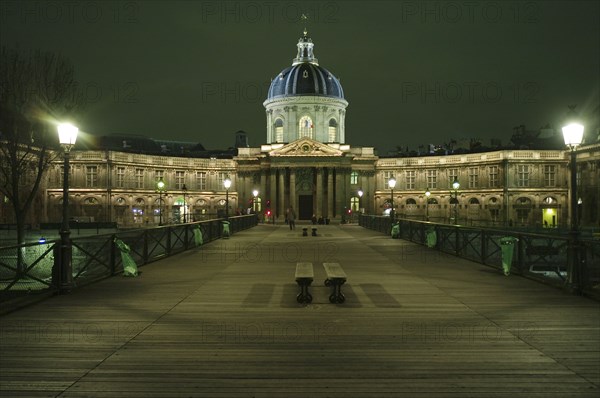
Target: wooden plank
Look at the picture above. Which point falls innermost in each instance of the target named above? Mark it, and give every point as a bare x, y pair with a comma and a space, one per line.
334, 271
304, 270
223, 321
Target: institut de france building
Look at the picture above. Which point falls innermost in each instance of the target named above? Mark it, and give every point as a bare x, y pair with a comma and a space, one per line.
306, 163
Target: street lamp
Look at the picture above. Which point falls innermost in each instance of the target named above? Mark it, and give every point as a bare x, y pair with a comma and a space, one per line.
184, 189
573, 135
392, 184
427, 195
160, 188
360, 195
227, 185
455, 186
254, 196
67, 135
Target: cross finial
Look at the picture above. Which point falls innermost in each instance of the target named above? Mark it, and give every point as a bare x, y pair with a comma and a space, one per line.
304, 17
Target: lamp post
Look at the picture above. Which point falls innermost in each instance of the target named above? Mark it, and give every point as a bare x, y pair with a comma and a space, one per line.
160, 188
254, 196
392, 184
455, 187
360, 195
184, 189
67, 135
227, 185
427, 195
573, 135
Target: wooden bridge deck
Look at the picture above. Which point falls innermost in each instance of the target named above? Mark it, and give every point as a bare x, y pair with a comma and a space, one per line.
223, 321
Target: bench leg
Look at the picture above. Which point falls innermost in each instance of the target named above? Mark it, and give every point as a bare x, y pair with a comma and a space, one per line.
304, 296
336, 292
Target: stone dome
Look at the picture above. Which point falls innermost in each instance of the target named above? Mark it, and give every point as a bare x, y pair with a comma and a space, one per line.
305, 76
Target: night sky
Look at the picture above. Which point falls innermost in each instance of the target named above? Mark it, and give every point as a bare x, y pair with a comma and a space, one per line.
414, 72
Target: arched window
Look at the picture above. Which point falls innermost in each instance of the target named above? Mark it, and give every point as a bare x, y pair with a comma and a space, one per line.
200, 209
523, 201
411, 201
432, 201
549, 200
278, 130
305, 127
332, 130
90, 201
473, 201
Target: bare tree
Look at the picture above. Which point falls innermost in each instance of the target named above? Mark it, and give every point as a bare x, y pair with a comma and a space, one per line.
36, 88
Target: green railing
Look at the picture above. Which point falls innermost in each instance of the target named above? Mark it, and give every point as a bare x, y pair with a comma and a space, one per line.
29, 268
535, 255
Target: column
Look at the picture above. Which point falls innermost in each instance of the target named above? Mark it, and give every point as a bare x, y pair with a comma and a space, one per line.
281, 199
293, 199
339, 192
330, 195
369, 193
319, 193
270, 137
273, 191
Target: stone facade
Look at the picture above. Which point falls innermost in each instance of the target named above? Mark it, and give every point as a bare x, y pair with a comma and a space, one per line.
306, 164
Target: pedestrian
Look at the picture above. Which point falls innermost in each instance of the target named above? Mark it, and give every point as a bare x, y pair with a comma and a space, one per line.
291, 218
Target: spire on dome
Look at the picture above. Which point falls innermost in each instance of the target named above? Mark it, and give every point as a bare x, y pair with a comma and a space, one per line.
305, 48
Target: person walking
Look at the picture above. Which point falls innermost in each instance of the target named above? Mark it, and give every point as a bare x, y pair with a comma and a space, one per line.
291, 218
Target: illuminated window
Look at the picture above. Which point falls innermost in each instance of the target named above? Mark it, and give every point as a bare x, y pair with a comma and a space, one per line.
305, 127
355, 203
278, 130
354, 178
332, 130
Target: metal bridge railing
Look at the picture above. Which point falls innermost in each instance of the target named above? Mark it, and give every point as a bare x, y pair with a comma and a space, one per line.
29, 268
536, 255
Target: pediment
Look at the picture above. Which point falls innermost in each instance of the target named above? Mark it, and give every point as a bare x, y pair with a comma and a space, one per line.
306, 147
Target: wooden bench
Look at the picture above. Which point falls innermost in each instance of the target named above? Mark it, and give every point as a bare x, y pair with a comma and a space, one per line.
304, 277
336, 277
314, 231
